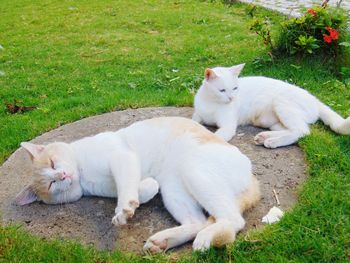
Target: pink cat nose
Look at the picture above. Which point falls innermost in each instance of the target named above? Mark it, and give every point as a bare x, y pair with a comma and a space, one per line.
63, 176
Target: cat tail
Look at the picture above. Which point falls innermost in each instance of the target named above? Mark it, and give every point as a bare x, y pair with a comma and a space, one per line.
334, 120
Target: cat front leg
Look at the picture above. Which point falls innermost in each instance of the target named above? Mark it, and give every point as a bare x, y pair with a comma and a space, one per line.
197, 118
125, 167
148, 188
227, 128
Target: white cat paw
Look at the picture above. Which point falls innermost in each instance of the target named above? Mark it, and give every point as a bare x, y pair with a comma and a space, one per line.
260, 138
155, 245
224, 134
271, 143
122, 215
201, 243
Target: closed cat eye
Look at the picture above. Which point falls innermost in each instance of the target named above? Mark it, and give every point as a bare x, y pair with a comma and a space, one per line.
222, 90
235, 88
52, 164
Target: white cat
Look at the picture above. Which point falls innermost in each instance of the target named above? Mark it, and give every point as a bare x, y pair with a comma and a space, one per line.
226, 101
196, 170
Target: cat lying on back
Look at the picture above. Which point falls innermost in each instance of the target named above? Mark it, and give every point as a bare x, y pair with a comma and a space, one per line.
227, 101
195, 169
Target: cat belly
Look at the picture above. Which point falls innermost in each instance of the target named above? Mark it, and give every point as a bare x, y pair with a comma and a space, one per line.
265, 119
208, 118
209, 121
103, 188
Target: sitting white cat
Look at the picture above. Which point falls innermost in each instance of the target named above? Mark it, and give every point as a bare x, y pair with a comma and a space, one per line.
195, 169
226, 101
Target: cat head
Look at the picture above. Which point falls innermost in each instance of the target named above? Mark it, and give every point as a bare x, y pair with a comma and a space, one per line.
221, 83
56, 177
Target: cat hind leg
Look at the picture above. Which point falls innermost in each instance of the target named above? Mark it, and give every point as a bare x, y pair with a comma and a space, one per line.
217, 197
228, 221
262, 136
294, 128
186, 211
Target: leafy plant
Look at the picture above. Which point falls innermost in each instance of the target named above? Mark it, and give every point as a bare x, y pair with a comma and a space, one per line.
251, 9
263, 29
320, 29
305, 44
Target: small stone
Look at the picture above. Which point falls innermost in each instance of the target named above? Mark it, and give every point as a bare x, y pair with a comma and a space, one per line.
131, 239
274, 215
267, 166
101, 202
99, 214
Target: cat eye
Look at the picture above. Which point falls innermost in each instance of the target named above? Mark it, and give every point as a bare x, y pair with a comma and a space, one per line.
235, 88
52, 164
222, 90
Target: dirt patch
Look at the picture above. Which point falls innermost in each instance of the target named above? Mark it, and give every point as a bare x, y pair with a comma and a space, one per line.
89, 219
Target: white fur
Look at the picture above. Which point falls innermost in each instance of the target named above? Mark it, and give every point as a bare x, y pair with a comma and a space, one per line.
285, 109
195, 171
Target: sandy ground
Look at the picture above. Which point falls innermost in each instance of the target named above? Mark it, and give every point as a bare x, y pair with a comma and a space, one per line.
89, 219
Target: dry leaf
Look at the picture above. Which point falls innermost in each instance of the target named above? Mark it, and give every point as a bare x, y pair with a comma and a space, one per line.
16, 107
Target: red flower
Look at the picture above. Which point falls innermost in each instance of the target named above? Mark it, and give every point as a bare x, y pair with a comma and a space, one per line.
334, 34
327, 39
312, 12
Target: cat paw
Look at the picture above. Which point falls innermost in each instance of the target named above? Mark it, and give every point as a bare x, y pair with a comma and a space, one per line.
223, 134
155, 246
271, 143
260, 138
201, 243
121, 217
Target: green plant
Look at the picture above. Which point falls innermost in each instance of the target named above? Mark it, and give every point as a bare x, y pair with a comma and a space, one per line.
263, 29
320, 29
305, 44
251, 9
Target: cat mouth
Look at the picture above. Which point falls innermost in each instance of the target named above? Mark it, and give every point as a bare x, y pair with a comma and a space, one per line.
53, 181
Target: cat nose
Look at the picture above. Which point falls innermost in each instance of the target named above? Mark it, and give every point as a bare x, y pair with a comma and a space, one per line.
63, 176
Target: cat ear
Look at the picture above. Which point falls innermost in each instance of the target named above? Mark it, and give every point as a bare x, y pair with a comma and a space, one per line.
209, 74
26, 196
236, 70
34, 150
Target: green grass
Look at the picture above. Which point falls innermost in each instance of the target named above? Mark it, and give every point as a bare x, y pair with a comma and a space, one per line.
75, 59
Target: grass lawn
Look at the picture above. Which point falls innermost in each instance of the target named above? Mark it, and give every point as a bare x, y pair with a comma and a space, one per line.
73, 59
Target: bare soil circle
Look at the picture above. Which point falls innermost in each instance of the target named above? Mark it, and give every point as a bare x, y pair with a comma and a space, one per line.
89, 219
